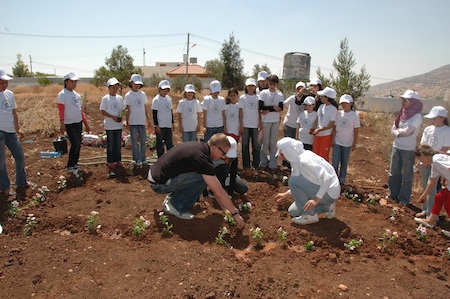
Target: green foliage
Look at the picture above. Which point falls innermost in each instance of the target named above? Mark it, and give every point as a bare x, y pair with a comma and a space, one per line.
233, 64
257, 68
20, 69
178, 83
346, 81
118, 65
154, 80
215, 68
42, 79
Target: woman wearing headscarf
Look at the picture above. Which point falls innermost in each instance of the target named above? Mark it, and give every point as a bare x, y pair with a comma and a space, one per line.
405, 129
313, 183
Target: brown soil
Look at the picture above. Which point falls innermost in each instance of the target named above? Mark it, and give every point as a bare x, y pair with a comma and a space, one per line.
62, 259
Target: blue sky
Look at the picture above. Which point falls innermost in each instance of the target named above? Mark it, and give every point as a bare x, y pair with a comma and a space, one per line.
392, 38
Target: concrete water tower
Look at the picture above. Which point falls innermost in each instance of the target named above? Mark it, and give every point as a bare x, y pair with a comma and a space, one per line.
296, 66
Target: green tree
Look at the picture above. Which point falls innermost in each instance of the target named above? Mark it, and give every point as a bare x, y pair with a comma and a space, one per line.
215, 68
20, 69
346, 81
119, 65
233, 64
257, 68
178, 83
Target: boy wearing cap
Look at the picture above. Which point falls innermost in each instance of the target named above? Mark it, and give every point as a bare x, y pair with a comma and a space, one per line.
137, 118
314, 86
111, 106
345, 136
9, 127
189, 112
270, 104
306, 120
405, 130
71, 118
214, 106
262, 82
163, 118
437, 135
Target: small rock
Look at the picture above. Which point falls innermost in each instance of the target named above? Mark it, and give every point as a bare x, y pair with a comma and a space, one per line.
343, 288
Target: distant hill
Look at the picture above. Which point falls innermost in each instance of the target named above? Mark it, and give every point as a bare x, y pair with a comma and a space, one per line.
430, 86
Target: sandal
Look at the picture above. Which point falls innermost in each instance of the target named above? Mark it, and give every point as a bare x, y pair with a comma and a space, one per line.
422, 214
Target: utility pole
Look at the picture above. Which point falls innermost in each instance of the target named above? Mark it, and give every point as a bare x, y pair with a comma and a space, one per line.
187, 57
31, 66
143, 51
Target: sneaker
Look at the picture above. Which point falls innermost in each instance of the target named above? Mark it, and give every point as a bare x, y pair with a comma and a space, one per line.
446, 233
72, 169
169, 209
306, 219
138, 164
423, 222
332, 211
111, 174
422, 214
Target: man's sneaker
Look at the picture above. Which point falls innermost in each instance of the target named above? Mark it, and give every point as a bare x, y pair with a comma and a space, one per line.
306, 219
332, 211
446, 233
72, 169
169, 209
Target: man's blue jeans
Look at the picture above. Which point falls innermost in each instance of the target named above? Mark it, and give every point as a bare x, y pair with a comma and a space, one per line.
183, 191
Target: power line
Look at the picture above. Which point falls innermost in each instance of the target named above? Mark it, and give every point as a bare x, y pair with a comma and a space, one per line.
91, 36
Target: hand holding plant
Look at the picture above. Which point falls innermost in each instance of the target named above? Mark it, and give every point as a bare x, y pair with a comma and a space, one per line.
228, 218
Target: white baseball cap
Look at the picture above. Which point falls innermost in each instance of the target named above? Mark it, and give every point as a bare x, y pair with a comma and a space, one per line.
328, 92
309, 101
250, 81
136, 79
315, 81
215, 86
410, 94
189, 88
346, 98
164, 84
437, 111
262, 75
4, 76
71, 76
232, 152
112, 81
299, 84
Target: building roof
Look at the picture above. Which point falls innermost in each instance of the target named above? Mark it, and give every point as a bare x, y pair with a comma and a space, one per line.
194, 69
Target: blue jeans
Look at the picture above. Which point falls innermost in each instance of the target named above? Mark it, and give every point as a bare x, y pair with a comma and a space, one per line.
138, 142
113, 145
269, 145
164, 138
189, 136
401, 175
250, 133
10, 140
340, 156
288, 132
74, 132
425, 173
303, 190
211, 131
183, 191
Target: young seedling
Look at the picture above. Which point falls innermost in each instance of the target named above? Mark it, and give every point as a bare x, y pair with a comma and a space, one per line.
309, 246
353, 244
30, 223
164, 220
92, 221
219, 239
140, 225
258, 236
282, 236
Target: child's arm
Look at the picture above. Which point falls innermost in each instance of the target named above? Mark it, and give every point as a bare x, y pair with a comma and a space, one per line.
199, 118
155, 121
355, 138
241, 124
62, 127
104, 113
205, 114
147, 117
127, 117
180, 122
16, 124
224, 117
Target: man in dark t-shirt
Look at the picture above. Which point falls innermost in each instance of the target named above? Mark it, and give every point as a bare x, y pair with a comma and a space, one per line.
185, 170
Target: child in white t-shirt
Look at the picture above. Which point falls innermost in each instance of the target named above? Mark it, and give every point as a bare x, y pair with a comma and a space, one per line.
232, 114
250, 121
214, 106
306, 121
345, 136
189, 112
437, 135
111, 106
270, 104
163, 118
136, 119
